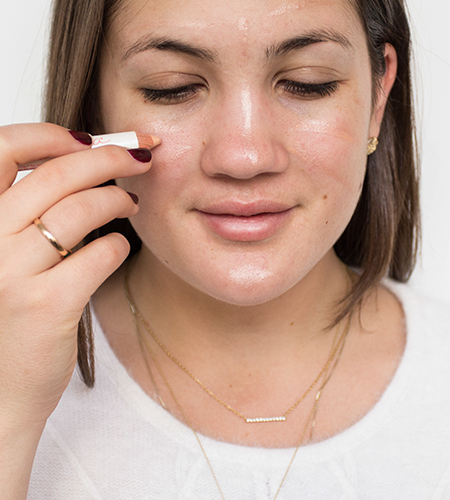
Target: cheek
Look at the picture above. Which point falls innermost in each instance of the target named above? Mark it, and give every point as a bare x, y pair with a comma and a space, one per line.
160, 189
173, 160
332, 152
166, 191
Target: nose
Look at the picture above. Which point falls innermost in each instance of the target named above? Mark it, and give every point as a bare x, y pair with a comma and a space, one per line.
243, 138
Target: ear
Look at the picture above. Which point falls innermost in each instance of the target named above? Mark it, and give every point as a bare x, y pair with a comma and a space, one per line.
384, 87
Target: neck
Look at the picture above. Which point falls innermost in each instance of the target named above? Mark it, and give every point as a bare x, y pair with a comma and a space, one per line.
183, 318
257, 359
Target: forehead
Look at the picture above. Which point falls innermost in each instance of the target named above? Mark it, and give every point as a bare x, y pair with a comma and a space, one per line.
248, 22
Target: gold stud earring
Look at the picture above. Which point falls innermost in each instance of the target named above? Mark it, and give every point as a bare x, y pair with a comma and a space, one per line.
372, 144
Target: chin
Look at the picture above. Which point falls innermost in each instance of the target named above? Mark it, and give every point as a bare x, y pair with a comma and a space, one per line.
249, 285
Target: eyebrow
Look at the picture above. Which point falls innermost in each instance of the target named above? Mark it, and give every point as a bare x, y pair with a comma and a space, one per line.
170, 45
299, 42
272, 52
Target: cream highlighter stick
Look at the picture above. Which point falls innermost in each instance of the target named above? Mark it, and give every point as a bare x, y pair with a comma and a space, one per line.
128, 140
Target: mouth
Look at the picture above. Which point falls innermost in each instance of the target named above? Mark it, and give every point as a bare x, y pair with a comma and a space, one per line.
245, 222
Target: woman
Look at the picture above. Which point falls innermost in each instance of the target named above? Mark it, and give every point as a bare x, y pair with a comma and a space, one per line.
237, 332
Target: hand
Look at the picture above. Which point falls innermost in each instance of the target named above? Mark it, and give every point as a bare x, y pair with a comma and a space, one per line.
42, 296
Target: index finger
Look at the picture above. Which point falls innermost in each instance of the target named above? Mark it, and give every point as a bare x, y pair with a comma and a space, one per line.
20, 144
61, 177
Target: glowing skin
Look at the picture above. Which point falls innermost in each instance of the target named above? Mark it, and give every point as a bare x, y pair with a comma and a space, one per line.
243, 143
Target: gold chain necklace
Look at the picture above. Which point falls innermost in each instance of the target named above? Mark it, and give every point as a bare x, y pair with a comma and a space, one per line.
311, 420
283, 417
325, 374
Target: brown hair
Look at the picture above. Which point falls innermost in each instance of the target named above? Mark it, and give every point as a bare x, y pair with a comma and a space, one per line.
382, 236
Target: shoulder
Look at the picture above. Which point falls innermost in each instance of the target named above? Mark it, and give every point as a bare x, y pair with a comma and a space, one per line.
427, 353
428, 314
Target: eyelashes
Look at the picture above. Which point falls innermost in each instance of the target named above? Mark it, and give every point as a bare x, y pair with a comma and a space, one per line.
170, 95
185, 93
310, 89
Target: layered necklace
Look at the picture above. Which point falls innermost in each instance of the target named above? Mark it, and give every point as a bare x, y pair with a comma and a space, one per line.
323, 376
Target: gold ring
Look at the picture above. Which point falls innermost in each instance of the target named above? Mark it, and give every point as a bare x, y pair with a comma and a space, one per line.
61, 250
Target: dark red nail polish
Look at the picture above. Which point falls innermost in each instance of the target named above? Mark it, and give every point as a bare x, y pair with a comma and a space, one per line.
134, 197
141, 154
82, 137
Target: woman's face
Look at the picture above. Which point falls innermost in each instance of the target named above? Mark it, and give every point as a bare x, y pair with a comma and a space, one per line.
264, 110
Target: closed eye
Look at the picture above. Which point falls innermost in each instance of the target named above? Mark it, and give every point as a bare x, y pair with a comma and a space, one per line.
309, 89
181, 94
170, 95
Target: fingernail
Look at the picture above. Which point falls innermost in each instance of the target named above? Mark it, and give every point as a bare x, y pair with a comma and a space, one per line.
134, 197
82, 137
141, 154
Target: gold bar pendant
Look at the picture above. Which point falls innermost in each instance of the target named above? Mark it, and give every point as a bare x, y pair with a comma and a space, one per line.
263, 419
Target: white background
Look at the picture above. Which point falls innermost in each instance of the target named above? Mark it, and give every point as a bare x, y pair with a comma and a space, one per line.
23, 36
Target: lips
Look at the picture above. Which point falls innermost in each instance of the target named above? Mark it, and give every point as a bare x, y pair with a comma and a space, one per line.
246, 222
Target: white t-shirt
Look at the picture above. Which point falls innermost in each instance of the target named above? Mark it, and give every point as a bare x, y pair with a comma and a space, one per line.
115, 443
